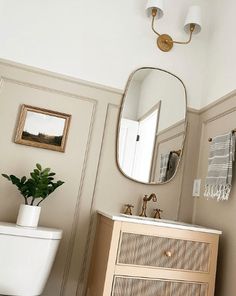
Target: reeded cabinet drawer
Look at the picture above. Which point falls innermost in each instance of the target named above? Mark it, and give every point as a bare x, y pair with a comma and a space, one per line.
155, 251
139, 259
128, 286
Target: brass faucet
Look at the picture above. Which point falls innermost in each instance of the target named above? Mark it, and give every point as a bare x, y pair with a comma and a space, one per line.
152, 197
128, 210
157, 213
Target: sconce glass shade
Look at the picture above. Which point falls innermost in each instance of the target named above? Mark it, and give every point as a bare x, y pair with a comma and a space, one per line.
193, 17
158, 4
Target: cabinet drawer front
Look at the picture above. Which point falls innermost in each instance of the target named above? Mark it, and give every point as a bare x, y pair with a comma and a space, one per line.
124, 286
154, 251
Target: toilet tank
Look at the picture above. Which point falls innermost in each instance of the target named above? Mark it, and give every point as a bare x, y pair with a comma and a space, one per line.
26, 258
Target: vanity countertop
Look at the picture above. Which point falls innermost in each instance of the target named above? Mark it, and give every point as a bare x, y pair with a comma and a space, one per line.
158, 222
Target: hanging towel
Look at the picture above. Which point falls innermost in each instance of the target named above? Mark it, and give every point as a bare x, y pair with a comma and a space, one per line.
172, 165
163, 166
220, 167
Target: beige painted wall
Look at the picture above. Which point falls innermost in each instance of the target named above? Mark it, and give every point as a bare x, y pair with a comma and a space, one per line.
77, 166
216, 119
88, 166
93, 180
191, 154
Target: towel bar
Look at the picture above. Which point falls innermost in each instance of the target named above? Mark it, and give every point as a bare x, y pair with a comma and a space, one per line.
233, 131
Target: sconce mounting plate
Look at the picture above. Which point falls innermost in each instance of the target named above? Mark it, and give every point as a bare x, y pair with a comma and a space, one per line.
165, 42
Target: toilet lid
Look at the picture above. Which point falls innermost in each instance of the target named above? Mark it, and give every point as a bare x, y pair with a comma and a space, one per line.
39, 232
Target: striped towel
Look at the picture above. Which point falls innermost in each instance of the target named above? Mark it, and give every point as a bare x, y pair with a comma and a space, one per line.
220, 167
172, 165
164, 166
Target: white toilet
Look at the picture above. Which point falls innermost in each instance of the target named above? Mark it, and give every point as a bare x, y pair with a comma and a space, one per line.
26, 258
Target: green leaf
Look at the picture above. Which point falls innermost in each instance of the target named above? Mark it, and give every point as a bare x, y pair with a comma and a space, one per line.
15, 180
36, 172
59, 183
39, 185
39, 167
6, 176
46, 171
52, 174
33, 176
23, 179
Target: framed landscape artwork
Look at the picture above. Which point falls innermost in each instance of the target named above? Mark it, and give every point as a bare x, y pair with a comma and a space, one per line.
42, 128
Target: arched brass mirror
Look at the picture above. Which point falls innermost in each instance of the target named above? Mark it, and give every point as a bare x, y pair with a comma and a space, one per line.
152, 126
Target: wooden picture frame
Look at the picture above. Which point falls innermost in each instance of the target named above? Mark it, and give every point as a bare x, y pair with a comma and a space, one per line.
42, 128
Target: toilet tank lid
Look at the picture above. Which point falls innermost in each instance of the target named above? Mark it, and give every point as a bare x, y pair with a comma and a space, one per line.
39, 232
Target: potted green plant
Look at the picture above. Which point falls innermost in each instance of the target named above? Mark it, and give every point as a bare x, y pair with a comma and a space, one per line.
34, 190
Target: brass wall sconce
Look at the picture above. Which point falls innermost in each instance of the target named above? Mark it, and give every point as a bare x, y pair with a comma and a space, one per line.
192, 24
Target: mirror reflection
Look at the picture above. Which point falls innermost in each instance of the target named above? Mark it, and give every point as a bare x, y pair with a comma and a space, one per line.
152, 126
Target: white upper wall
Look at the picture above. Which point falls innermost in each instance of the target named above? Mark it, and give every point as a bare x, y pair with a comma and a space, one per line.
101, 41
104, 41
221, 51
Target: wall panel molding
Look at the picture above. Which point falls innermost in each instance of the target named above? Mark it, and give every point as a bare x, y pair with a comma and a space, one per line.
72, 89
99, 156
218, 102
47, 89
91, 232
218, 119
77, 207
76, 213
219, 115
216, 111
65, 78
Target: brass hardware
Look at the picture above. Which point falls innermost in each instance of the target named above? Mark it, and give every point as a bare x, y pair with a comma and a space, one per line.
157, 214
166, 42
152, 197
128, 210
154, 12
233, 131
168, 254
178, 152
192, 27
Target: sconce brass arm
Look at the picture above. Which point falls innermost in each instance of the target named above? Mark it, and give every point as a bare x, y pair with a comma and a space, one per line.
153, 19
192, 27
164, 41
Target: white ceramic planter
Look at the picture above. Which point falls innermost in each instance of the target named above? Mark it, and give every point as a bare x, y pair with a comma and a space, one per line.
28, 216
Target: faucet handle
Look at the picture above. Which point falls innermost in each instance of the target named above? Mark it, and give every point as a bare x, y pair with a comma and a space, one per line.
154, 197
128, 210
157, 214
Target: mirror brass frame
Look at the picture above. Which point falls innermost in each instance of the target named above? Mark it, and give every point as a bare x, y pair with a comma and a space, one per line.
119, 122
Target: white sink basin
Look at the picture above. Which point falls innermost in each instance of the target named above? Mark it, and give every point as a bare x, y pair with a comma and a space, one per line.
152, 219
159, 220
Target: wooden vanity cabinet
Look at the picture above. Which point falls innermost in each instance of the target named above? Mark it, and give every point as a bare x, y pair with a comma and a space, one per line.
132, 259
